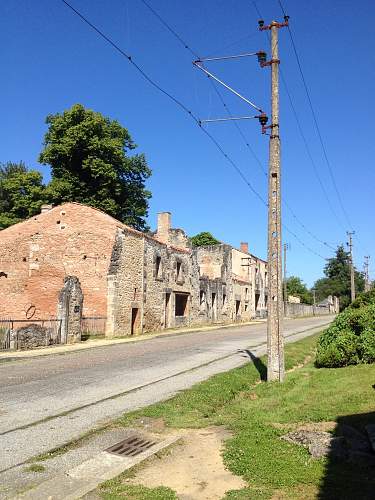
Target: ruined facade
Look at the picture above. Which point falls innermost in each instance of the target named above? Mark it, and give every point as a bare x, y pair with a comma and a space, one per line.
36, 255
140, 282
157, 282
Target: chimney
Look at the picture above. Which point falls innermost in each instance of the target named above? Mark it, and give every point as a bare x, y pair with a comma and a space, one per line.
164, 225
45, 208
244, 246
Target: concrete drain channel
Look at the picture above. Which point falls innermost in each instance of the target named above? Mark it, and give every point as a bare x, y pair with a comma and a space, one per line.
85, 477
131, 446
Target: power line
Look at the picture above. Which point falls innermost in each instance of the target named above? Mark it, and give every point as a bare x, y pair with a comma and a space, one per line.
167, 94
224, 47
304, 140
236, 125
184, 108
316, 122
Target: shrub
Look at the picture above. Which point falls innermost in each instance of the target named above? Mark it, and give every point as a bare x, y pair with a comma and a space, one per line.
364, 299
367, 346
342, 350
350, 339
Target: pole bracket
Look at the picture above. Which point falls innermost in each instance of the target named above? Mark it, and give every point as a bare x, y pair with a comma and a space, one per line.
269, 63
275, 24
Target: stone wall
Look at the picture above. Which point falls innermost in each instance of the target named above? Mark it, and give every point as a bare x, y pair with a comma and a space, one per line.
295, 310
37, 254
145, 280
31, 336
141, 282
126, 284
153, 285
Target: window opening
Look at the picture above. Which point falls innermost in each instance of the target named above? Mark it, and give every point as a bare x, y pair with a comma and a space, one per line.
238, 304
158, 267
178, 271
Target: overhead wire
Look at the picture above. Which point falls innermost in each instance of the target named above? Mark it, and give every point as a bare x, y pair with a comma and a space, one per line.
316, 121
316, 124
183, 107
179, 103
236, 125
304, 140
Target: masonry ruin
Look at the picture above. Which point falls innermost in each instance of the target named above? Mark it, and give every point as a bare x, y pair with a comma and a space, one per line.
134, 281
160, 281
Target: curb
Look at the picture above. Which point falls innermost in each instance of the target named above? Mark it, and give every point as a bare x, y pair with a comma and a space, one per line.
64, 349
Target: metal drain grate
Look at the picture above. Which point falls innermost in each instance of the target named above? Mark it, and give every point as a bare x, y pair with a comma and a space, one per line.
131, 446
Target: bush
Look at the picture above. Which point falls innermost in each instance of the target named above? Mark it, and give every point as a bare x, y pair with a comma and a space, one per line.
350, 339
342, 351
367, 346
364, 299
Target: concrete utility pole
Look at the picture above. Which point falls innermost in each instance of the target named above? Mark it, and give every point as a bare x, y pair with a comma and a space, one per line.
352, 283
286, 247
366, 271
275, 341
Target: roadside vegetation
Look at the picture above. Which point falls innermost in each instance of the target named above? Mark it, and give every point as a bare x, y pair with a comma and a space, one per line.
258, 414
350, 339
92, 161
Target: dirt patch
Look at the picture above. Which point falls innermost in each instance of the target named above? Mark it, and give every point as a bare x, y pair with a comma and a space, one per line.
150, 424
305, 492
308, 426
194, 470
300, 365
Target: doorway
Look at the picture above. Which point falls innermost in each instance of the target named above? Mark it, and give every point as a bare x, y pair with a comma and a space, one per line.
213, 302
167, 310
135, 321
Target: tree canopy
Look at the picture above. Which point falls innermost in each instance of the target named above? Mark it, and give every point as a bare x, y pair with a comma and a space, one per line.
21, 193
90, 161
337, 279
296, 287
203, 239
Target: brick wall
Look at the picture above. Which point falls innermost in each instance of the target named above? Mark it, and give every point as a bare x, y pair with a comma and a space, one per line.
36, 255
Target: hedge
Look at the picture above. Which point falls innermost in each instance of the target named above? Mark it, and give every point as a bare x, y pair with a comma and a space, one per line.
350, 339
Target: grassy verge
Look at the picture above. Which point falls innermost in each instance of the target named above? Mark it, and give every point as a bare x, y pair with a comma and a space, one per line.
258, 414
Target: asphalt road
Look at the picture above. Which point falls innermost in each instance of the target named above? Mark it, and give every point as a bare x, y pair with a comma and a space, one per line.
47, 401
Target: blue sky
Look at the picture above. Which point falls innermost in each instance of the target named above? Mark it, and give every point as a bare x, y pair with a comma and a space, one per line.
51, 60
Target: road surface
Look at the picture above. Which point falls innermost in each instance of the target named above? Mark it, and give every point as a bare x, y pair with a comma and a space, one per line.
48, 401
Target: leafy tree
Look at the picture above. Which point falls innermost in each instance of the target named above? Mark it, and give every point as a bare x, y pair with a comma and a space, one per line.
90, 163
21, 193
203, 239
337, 279
296, 287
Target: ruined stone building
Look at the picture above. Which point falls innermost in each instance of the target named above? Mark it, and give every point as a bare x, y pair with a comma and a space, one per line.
140, 282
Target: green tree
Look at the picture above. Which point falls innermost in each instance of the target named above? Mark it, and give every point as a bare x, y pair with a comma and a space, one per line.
337, 279
90, 161
21, 193
296, 287
203, 239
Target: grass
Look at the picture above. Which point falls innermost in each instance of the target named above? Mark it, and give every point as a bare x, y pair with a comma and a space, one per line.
35, 468
118, 490
258, 414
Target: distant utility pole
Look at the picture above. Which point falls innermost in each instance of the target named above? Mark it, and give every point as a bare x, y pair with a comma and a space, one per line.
286, 247
314, 296
275, 341
366, 272
352, 283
